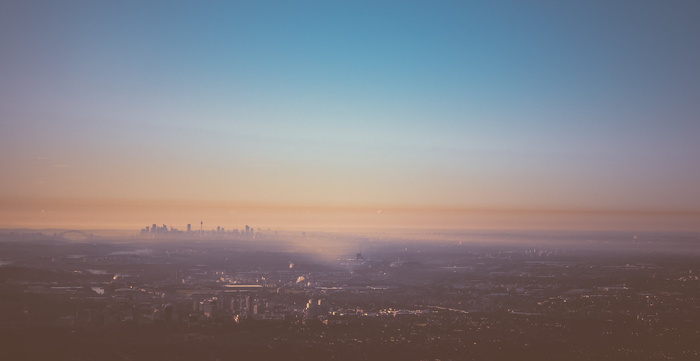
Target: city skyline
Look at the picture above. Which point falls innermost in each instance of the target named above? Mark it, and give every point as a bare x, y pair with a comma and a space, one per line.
508, 115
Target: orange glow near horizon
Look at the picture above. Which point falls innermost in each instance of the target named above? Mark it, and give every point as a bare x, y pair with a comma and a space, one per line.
135, 214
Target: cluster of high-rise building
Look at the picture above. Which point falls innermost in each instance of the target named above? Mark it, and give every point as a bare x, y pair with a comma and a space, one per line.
169, 231
240, 304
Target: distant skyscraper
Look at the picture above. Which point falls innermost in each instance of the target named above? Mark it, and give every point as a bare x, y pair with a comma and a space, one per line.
189, 228
248, 304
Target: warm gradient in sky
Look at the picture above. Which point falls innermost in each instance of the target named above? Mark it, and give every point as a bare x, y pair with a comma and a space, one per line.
459, 113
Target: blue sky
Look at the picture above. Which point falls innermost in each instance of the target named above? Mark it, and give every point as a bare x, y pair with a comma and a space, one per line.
494, 104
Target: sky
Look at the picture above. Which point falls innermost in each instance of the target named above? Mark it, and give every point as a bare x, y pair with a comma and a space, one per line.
456, 114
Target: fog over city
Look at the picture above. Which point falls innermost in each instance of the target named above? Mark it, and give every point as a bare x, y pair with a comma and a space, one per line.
365, 180
248, 293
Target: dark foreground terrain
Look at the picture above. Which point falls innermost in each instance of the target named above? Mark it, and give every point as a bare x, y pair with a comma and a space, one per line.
330, 297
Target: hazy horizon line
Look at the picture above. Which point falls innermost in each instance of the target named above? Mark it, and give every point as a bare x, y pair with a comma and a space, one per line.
289, 206
102, 213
